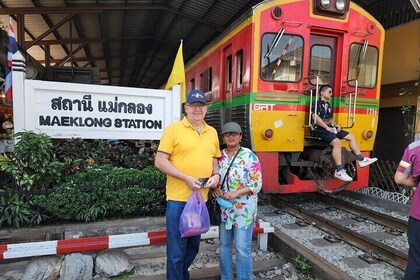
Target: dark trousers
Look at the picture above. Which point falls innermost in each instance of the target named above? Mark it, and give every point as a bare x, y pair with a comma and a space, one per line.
180, 252
412, 272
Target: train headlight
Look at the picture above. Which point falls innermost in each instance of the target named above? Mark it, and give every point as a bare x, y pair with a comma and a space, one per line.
325, 3
331, 8
367, 134
268, 133
340, 5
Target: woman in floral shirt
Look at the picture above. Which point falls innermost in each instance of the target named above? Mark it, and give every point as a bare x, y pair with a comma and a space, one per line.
241, 185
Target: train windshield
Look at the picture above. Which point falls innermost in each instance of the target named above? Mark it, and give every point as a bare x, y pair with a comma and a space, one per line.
281, 57
363, 65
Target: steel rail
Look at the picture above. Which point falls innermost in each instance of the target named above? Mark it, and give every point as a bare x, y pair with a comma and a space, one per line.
389, 255
369, 214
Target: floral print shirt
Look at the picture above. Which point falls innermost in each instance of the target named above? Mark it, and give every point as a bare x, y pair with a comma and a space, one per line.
244, 172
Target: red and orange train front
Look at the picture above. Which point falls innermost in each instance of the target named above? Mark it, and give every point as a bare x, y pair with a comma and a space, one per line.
263, 71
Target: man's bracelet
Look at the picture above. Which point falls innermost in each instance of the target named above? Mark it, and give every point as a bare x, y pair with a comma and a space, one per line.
220, 177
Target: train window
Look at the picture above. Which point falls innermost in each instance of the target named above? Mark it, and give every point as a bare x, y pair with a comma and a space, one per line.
363, 65
192, 83
282, 60
207, 83
210, 80
239, 69
201, 85
321, 63
228, 76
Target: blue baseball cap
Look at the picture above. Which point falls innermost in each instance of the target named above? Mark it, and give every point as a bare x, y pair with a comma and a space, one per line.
196, 95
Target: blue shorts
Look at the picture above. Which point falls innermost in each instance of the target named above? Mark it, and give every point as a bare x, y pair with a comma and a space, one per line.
328, 136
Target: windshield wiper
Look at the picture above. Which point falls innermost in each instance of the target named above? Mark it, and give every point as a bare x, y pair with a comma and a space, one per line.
361, 58
274, 43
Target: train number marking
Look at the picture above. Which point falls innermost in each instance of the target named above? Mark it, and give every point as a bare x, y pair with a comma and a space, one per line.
263, 107
371, 111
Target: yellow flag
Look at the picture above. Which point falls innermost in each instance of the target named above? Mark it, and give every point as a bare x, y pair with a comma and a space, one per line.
178, 74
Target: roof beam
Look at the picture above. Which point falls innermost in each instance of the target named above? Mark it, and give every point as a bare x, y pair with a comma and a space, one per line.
50, 24
98, 40
81, 33
65, 59
20, 28
122, 48
100, 9
106, 48
21, 44
43, 35
101, 58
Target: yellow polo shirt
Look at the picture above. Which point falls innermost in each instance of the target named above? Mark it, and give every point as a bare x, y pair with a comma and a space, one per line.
190, 152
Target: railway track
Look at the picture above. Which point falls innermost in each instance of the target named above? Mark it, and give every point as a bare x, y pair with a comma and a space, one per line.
342, 239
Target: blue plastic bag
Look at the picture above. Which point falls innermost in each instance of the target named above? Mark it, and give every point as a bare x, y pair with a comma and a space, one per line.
194, 218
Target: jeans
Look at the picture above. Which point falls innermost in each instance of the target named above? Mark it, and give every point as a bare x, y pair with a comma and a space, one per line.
412, 272
180, 252
243, 243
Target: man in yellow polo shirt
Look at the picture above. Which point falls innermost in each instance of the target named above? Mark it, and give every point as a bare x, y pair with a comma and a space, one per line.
188, 150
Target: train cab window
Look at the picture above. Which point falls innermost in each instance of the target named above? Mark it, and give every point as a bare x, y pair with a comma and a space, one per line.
228, 74
239, 69
321, 59
281, 57
363, 65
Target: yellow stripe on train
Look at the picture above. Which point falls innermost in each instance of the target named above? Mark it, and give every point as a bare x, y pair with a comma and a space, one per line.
289, 129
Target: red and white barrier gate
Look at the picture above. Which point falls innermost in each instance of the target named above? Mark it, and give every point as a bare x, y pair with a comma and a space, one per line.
31, 249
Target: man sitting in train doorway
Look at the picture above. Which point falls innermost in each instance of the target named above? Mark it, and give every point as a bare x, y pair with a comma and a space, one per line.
331, 132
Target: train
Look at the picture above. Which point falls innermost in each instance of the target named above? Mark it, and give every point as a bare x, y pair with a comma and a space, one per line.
264, 72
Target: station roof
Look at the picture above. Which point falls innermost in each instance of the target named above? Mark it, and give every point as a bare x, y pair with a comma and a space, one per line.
134, 42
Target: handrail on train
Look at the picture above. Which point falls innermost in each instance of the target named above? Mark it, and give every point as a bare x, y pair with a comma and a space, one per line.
310, 124
351, 116
352, 113
360, 60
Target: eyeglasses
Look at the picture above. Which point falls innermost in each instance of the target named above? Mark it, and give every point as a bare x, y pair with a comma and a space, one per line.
197, 105
228, 134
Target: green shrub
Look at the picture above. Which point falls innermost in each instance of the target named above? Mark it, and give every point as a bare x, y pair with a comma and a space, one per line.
81, 153
33, 163
115, 178
136, 200
14, 210
38, 216
66, 202
104, 192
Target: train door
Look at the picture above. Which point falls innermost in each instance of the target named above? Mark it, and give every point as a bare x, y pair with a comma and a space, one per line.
323, 63
227, 84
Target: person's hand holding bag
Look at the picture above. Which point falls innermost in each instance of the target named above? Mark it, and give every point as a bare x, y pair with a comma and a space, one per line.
194, 219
